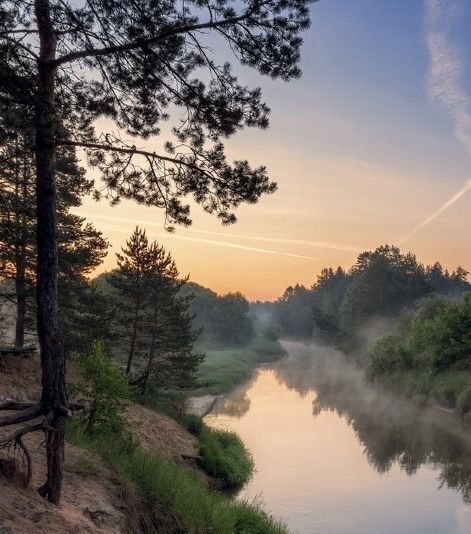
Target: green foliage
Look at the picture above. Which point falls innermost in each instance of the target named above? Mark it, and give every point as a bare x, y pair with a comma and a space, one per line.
175, 404
382, 283
224, 454
430, 352
173, 493
194, 424
223, 369
222, 319
225, 457
103, 390
156, 323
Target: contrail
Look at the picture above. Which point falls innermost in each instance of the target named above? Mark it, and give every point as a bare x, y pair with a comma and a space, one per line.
319, 244
209, 241
437, 212
445, 85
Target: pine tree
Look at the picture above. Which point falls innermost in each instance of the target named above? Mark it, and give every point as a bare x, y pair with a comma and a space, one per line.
131, 280
81, 246
142, 60
170, 359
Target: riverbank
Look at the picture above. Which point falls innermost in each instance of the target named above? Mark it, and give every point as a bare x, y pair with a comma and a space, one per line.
225, 368
449, 390
154, 476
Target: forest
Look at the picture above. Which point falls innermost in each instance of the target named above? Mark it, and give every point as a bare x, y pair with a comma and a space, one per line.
406, 323
91, 350
139, 397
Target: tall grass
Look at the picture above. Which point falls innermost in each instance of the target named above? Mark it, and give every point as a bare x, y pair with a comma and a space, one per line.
222, 369
174, 494
224, 455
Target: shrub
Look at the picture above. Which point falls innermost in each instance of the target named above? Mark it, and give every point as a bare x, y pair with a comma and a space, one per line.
103, 390
225, 457
194, 424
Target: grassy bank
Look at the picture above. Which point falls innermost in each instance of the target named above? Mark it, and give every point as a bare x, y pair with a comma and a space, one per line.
450, 388
428, 354
174, 498
222, 369
224, 455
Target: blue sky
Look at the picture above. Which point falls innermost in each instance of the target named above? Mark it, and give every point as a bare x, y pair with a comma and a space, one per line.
363, 153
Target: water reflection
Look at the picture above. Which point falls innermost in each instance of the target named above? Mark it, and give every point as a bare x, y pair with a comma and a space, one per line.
292, 454
392, 430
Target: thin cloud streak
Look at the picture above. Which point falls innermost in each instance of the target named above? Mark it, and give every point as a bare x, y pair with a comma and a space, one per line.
445, 85
214, 243
319, 244
437, 212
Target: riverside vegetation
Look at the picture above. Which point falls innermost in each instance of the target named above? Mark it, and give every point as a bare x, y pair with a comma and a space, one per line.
408, 325
146, 306
165, 490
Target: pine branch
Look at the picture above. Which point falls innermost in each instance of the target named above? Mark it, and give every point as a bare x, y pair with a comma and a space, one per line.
142, 43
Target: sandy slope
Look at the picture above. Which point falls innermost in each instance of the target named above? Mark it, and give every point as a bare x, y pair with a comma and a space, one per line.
90, 502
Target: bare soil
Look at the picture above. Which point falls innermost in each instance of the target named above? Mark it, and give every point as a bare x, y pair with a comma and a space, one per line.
91, 501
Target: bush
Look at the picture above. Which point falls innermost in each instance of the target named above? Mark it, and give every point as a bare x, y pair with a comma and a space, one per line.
194, 424
225, 457
103, 390
175, 404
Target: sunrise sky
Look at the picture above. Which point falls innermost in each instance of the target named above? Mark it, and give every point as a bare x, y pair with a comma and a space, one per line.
372, 145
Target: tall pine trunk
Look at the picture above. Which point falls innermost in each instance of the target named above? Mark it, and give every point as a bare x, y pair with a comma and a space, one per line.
134, 333
53, 399
20, 290
20, 266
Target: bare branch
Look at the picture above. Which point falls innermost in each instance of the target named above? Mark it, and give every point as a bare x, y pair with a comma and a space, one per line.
22, 417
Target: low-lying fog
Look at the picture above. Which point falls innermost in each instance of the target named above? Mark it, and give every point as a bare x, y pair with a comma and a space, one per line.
335, 454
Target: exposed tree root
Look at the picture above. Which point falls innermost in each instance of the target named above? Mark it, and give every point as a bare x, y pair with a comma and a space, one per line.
52, 424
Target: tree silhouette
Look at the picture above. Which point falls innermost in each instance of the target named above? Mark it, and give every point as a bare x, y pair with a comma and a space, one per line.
134, 62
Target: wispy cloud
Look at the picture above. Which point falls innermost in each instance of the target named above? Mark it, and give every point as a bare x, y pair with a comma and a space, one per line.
167, 235
437, 212
445, 85
445, 82
319, 244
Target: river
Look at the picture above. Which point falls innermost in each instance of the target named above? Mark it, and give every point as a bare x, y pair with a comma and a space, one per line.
333, 455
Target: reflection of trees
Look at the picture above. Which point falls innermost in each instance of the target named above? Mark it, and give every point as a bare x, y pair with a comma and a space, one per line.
237, 403
392, 430
235, 406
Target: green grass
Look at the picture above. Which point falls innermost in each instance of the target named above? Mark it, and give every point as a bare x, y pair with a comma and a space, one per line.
225, 368
85, 466
173, 493
224, 455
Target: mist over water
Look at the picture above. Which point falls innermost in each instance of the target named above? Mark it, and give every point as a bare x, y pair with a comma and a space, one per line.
334, 454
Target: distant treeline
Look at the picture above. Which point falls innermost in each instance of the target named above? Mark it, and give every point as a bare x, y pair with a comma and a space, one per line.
381, 283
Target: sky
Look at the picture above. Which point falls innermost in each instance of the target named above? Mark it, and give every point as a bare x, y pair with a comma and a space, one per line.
371, 145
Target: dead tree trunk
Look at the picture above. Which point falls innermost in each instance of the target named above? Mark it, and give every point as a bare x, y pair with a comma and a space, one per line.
54, 399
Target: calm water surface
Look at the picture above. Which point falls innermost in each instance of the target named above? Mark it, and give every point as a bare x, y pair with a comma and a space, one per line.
333, 455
